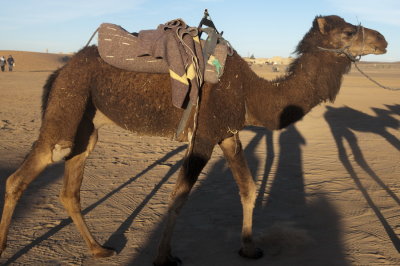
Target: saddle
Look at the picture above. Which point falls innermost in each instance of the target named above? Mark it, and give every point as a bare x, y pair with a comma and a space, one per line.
129, 51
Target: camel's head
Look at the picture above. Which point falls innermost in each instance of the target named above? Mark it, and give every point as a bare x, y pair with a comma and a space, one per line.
336, 34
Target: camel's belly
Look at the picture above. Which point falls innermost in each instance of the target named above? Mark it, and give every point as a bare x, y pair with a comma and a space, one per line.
101, 119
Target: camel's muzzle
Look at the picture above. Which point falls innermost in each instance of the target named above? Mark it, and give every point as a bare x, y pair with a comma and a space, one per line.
375, 42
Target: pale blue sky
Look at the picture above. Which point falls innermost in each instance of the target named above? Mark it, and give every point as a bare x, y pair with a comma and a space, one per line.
264, 28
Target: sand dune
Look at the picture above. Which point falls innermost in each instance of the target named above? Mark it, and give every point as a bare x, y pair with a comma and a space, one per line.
328, 187
33, 61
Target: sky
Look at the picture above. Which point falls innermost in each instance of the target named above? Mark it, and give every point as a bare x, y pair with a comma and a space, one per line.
263, 28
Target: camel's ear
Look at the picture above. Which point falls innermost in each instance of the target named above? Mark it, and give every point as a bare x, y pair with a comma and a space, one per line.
322, 25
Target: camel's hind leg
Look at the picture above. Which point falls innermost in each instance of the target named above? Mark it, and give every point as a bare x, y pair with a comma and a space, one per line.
85, 141
34, 164
65, 104
233, 152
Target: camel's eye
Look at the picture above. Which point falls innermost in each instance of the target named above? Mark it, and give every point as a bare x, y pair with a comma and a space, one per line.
349, 33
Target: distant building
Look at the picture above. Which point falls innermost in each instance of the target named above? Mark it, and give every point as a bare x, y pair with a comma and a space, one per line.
276, 60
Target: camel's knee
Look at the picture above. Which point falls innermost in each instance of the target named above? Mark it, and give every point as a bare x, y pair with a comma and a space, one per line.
61, 150
70, 201
33, 164
16, 184
14, 188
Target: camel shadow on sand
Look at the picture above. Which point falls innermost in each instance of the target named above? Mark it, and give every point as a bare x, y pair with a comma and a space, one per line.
343, 121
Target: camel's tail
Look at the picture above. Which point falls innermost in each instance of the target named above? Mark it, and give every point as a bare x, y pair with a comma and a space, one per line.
47, 88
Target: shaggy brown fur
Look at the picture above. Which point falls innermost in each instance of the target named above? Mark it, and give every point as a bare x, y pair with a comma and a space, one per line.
87, 92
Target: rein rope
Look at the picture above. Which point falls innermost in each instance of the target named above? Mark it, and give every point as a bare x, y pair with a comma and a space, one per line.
355, 59
373, 80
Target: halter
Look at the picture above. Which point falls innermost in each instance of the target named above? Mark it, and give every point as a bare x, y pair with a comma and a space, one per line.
345, 50
355, 59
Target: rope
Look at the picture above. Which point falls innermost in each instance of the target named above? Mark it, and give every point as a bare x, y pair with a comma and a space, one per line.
195, 124
91, 37
374, 81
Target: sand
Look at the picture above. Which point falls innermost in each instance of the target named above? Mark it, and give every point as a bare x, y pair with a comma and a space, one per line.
328, 189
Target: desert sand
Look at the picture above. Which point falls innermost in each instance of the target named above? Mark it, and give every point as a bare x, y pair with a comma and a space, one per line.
328, 186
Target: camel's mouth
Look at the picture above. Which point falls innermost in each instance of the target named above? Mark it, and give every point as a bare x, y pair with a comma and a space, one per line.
374, 50
379, 47
375, 42
380, 51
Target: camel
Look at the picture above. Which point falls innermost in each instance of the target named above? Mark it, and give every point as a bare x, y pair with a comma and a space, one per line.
87, 93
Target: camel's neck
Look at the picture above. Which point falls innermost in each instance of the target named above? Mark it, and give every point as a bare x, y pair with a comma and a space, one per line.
309, 81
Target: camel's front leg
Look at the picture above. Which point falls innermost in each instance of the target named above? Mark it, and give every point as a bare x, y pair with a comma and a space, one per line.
193, 163
232, 148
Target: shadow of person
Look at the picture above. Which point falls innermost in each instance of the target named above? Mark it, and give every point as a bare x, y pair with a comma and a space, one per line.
342, 122
289, 173
293, 221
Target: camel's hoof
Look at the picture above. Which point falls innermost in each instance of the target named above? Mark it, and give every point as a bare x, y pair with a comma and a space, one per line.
171, 261
255, 254
104, 252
